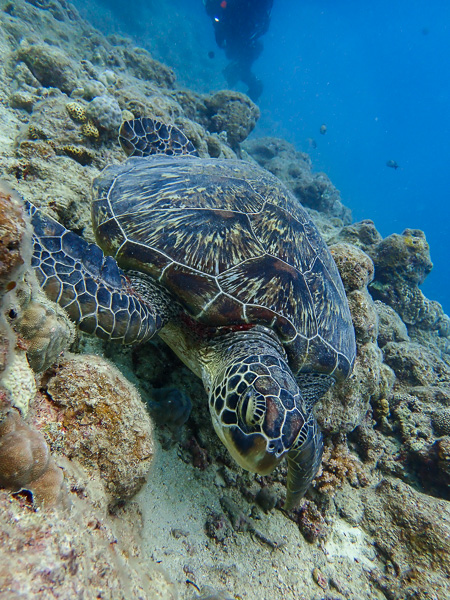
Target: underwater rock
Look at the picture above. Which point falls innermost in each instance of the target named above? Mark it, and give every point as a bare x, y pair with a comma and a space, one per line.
441, 421
266, 498
24, 80
143, 66
50, 65
170, 406
209, 593
231, 112
390, 326
364, 316
82, 553
405, 257
106, 424
362, 234
90, 90
293, 168
355, 266
340, 466
402, 262
105, 113
45, 328
412, 532
345, 406
23, 100
415, 365
310, 522
26, 463
18, 380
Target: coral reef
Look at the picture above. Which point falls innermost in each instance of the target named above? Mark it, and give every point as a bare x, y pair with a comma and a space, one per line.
26, 463
362, 234
405, 257
411, 532
45, 328
402, 263
339, 466
390, 326
77, 111
18, 380
416, 365
12, 230
105, 423
78, 153
441, 421
104, 112
294, 169
13, 261
355, 266
233, 113
60, 555
49, 65
143, 66
64, 90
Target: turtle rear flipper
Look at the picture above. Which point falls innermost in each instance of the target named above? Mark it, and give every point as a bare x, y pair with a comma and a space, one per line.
89, 285
144, 136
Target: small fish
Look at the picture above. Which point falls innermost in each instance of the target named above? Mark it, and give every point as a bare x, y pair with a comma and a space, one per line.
211, 54
323, 129
312, 143
392, 164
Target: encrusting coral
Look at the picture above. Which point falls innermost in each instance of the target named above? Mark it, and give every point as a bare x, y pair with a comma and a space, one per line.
77, 111
106, 426
26, 463
232, 112
104, 111
45, 329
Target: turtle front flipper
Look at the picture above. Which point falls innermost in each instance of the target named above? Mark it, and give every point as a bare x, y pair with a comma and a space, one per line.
303, 460
88, 285
144, 136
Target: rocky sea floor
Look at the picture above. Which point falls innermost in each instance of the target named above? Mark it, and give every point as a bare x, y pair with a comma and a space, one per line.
101, 496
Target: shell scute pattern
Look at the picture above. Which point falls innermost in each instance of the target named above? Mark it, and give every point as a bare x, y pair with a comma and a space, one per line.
233, 246
209, 241
283, 236
271, 288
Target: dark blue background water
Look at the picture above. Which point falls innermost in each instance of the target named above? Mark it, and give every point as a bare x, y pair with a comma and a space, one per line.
376, 73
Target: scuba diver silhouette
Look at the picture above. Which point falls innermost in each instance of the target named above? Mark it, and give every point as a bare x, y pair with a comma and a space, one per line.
238, 25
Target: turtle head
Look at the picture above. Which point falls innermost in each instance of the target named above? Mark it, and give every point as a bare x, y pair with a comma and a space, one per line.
260, 415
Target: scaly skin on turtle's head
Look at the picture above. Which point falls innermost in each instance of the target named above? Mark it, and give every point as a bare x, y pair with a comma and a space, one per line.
260, 415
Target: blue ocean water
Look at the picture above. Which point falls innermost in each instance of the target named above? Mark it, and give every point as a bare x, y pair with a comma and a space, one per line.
376, 74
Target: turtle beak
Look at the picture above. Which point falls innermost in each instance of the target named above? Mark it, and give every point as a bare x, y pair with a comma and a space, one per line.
304, 460
250, 450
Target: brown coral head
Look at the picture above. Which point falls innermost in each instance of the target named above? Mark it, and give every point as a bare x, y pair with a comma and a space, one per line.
26, 463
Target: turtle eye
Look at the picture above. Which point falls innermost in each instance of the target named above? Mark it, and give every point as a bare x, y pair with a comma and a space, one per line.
251, 408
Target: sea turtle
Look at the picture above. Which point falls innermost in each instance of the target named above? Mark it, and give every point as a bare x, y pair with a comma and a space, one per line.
220, 259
